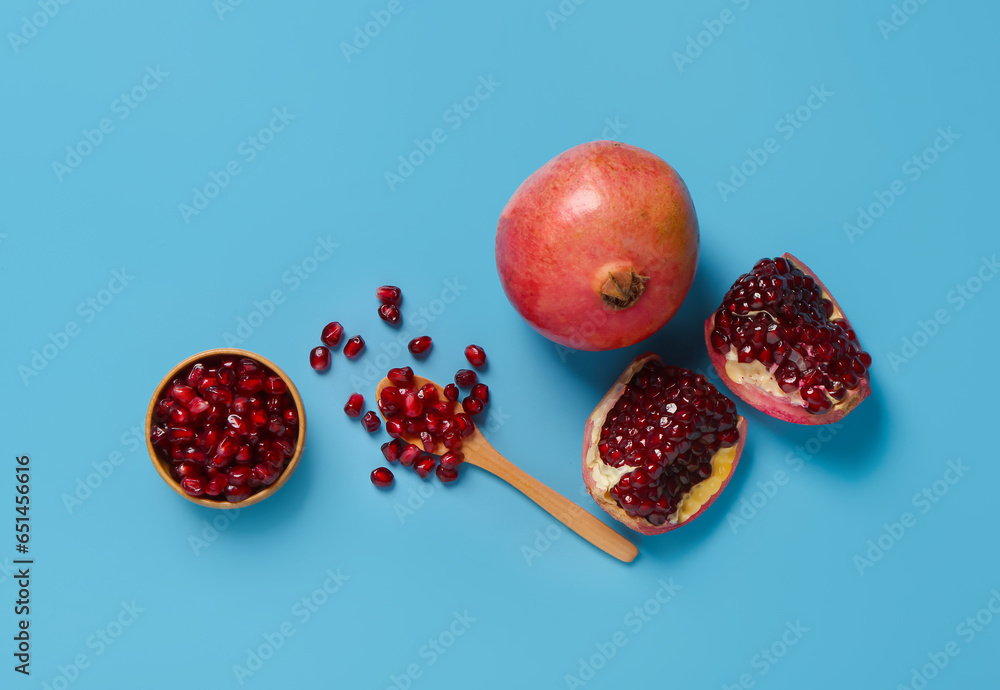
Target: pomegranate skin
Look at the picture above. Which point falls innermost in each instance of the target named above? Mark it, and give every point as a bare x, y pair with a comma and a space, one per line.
781, 407
597, 418
597, 249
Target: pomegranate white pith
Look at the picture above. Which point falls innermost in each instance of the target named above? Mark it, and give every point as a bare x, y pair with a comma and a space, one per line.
680, 444
782, 343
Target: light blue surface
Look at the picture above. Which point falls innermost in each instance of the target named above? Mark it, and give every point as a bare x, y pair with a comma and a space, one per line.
478, 549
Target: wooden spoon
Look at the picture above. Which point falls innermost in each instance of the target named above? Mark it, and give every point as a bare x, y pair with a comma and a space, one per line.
480, 453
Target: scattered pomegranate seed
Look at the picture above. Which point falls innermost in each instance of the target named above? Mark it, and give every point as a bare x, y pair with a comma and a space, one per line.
389, 294
319, 358
371, 422
446, 475
390, 314
412, 405
451, 392
382, 477
420, 345
332, 333
394, 428
401, 376
354, 346
409, 454
452, 459
466, 378
481, 391
472, 405
424, 464
392, 449
354, 405
476, 355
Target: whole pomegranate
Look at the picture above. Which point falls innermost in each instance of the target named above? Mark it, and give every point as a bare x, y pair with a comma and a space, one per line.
597, 248
661, 446
782, 343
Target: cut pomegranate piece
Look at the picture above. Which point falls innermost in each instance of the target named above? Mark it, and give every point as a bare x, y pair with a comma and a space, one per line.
332, 333
661, 446
466, 378
389, 294
390, 314
354, 346
782, 343
382, 477
476, 355
319, 358
371, 422
420, 345
354, 405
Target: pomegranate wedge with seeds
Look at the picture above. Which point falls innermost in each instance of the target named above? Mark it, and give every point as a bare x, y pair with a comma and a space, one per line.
782, 343
661, 446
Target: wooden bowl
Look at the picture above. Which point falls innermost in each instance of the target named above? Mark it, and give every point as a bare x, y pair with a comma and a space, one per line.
162, 464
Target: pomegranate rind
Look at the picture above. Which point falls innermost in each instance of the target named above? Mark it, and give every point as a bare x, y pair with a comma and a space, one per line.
780, 406
603, 499
598, 212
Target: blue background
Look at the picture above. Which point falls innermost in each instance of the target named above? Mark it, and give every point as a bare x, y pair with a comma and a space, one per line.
543, 606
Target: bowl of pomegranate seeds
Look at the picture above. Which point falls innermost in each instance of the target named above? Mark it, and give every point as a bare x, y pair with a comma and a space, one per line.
225, 428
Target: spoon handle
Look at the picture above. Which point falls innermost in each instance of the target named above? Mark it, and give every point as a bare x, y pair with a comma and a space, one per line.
561, 508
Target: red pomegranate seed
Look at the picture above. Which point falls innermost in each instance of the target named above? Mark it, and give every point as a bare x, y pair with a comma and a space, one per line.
216, 485
392, 449
391, 400
420, 345
390, 314
452, 440
319, 358
239, 475
182, 394
178, 415
476, 355
195, 374
394, 428
180, 434
266, 473
248, 384
412, 405
481, 391
291, 416
332, 333
464, 424
382, 477
451, 392
389, 294
275, 385
354, 346
258, 418
193, 486
354, 405
466, 378
187, 469
472, 405
424, 464
198, 406
235, 494
428, 393
409, 454
452, 459
371, 422
401, 376
446, 475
